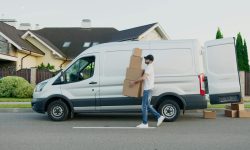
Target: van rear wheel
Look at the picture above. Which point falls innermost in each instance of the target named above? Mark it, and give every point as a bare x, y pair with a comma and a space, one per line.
169, 109
58, 111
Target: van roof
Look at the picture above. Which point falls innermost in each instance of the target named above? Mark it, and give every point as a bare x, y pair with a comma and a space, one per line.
141, 44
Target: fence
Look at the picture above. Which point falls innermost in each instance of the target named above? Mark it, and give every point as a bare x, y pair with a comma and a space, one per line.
32, 75
42, 75
247, 83
25, 73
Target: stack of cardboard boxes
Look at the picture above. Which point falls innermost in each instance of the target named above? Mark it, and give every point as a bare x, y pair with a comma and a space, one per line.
236, 110
134, 72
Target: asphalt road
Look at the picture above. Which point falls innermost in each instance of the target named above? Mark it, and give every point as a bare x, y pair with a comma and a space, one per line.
32, 131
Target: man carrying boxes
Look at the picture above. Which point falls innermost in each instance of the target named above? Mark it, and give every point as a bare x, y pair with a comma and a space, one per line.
143, 82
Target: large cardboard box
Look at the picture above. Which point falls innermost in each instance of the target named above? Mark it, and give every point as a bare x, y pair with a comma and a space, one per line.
238, 106
137, 52
132, 91
209, 114
133, 73
244, 114
135, 62
231, 113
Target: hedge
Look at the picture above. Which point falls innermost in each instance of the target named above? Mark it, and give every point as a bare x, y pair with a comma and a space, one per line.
13, 86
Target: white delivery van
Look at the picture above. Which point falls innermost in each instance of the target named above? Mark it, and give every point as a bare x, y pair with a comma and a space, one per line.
184, 73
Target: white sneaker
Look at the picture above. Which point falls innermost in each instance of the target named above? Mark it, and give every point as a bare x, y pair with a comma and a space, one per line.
160, 120
142, 125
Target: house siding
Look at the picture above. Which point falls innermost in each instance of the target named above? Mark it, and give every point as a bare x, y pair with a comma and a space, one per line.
28, 62
153, 35
48, 57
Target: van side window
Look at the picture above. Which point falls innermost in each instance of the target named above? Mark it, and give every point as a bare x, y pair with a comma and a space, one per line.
82, 69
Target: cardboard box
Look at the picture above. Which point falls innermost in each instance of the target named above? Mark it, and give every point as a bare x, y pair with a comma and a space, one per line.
238, 106
244, 114
133, 73
209, 114
231, 113
137, 52
135, 62
132, 91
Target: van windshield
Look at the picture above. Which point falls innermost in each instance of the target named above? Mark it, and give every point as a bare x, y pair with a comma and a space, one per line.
82, 69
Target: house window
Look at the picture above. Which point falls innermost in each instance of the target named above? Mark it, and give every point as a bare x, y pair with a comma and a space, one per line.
66, 44
86, 44
4, 46
95, 43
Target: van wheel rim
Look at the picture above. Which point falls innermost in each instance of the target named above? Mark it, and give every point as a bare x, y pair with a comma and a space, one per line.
57, 111
169, 111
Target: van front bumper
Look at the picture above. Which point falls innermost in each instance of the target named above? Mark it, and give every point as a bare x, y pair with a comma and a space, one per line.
38, 105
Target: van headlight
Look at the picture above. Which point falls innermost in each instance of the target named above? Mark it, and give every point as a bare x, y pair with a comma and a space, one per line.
40, 86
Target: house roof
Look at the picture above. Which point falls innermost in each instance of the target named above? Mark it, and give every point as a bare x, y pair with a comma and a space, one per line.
76, 36
132, 33
49, 44
15, 36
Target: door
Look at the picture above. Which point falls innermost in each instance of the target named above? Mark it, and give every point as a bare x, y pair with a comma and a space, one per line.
81, 83
222, 71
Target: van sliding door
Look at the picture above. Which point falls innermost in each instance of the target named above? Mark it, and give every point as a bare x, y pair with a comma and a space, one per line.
222, 71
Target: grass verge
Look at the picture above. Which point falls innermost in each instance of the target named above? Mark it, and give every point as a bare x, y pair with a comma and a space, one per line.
15, 99
223, 106
15, 106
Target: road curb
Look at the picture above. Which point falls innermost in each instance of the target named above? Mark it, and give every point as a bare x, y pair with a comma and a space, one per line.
29, 110
16, 110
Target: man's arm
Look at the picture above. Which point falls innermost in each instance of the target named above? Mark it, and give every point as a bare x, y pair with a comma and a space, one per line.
142, 78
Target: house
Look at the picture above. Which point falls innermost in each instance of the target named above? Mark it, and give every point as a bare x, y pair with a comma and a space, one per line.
59, 46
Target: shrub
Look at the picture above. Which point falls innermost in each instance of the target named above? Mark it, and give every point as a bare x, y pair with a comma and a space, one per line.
13, 86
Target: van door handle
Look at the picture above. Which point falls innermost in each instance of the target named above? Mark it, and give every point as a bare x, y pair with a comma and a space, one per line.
93, 82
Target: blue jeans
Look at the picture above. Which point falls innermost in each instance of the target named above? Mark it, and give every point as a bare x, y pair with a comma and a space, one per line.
146, 99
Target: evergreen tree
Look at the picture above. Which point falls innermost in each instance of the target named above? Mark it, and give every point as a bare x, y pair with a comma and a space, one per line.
239, 51
245, 55
219, 35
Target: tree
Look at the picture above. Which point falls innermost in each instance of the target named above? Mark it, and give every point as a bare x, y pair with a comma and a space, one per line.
239, 52
245, 56
41, 66
219, 35
49, 66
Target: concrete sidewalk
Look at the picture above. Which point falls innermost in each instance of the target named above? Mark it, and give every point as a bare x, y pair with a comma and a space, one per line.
16, 110
20, 110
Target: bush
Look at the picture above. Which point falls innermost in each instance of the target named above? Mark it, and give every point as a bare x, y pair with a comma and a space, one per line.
13, 86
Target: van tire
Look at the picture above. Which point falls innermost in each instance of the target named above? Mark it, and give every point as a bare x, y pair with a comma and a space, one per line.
169, 109
58, 111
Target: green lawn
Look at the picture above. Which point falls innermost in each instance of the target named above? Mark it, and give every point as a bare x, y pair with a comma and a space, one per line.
15, 106
247, 99
15, 99
223, 106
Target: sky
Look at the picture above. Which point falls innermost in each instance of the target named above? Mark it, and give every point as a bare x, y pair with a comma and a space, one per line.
181, 19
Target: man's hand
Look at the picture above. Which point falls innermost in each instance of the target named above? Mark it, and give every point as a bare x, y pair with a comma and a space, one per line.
132, 83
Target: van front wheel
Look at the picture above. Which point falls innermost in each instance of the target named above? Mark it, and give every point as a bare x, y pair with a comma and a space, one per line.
169, 109
58, 111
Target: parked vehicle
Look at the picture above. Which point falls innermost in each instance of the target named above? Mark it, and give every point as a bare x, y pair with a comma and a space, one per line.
184, 72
